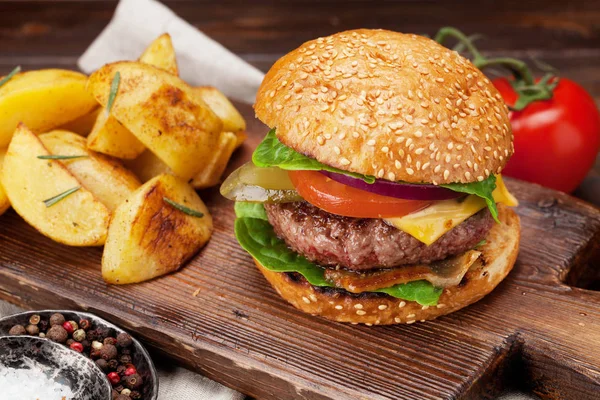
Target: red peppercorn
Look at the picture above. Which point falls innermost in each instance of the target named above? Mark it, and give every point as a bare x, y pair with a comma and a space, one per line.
68, 327
130, 371
78, 347
85, 324
113, 377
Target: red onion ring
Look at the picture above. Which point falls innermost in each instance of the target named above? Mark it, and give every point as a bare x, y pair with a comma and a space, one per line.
408, 191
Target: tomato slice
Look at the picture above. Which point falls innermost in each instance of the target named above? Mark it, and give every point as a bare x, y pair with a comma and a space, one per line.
340, 199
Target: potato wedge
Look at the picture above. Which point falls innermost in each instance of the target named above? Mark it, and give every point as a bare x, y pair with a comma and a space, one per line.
147, 166
149, 237
211, 175
110, 137
220, 104
77, 220
105, 177
161, 54
42, 100
4, 202
163, 113
82, 125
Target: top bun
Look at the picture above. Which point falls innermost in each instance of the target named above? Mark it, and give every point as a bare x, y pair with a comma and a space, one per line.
397, 106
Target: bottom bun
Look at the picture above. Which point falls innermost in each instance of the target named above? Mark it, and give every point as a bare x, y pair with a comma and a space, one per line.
497, 259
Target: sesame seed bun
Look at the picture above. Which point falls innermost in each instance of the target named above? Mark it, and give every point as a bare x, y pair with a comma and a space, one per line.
397, 106
497, 259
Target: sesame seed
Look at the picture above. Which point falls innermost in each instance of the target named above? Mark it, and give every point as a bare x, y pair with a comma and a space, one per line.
410, 316
467, 175
425, 308
337, 150
412, 321
397, 320
338, 307
446, 174
419, 150
360, 312
439, 79
402, 304
382, 307
358, 306
398, 164
306, 300
313, 297
345, 161
437, 168
320, 140
441, 305
410, 171
391, 176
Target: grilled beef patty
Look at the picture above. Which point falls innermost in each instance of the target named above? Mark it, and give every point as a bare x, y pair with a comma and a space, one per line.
362, 244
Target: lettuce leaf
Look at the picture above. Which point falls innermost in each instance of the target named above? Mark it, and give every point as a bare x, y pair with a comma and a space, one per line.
256, 236
483, 189
272, 153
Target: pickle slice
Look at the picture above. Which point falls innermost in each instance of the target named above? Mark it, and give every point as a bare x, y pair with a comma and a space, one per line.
263, 185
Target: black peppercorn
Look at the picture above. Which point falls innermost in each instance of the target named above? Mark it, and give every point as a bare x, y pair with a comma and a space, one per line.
110, 340
85, 324
135, 395
125, 359
69, 342
115, 394
43, 325
133, 381
103, 364
34, 319
113, 364
91, 335
121, 370
57, 333
85, 343
17, 330
126, 351
57, 319
119, 388
108, 352
103, 332
32, 329
124, 340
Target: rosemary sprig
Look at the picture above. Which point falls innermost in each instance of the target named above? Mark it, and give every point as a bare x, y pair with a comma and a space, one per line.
53, 200
59, 157
114, 88
10, 75
183, 208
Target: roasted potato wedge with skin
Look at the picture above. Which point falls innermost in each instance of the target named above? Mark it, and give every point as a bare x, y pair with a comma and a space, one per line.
161, 54
225, 110
42, 100
163, 113
4, 202
149, 237
77, 220
105, 177
211, 175
110, 137
82, 125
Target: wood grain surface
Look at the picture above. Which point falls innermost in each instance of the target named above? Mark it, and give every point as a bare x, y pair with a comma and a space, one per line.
538, 331
238, 331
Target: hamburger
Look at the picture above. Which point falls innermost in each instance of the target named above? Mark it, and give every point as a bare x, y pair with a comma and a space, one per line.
377, 195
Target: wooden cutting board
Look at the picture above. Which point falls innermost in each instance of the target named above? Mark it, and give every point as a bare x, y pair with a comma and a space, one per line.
538, 331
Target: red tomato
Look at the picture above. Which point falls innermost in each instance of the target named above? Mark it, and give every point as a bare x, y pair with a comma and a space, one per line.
556, 140
340, 199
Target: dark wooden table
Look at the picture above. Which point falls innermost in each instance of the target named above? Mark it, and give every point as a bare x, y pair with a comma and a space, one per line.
563, 34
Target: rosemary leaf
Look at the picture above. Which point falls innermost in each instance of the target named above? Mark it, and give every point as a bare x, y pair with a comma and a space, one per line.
53, 200
114, 88
183, 208
10, 75
59, 157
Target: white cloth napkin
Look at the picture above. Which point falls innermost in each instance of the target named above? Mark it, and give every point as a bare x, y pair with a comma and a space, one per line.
201, 60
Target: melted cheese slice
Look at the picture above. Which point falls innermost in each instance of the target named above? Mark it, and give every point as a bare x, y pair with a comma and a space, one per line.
429, 224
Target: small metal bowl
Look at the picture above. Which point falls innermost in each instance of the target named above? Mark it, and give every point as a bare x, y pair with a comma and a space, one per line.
141, 358
38, 357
